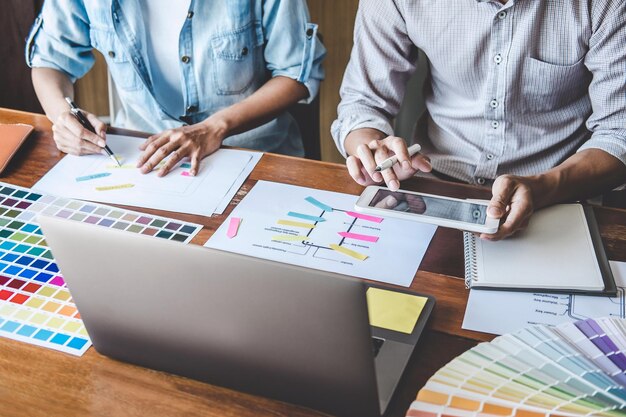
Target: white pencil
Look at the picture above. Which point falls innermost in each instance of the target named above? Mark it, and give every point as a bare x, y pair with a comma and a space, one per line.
389, 162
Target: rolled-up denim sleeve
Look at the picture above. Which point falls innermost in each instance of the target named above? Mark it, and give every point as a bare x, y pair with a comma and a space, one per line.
606, 59
292, 48
59, 39
383, 59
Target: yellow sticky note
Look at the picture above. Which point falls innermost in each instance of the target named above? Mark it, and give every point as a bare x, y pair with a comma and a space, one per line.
394, 310
296, 224
348, 252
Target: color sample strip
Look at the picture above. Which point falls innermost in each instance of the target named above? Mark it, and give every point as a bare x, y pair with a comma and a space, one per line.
289, 238
348, 252
233, 227
357, 236
571, 369
35, 305
296, 224
364, 217
185, 165
306, 217
318, 204
114, 187
92, 176
186, 174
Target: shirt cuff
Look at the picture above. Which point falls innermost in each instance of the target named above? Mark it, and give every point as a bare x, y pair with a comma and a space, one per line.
614, 145
358, 120
312, 84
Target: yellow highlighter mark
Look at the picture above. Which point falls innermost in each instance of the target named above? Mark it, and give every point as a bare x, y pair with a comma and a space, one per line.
394, 310
115, 187
126, 166
296, 224
289, 238
349, 252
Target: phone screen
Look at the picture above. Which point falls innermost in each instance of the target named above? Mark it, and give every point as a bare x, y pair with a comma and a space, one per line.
430, 206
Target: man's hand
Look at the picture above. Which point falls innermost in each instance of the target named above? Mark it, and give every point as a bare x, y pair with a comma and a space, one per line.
513, 202
364, 158
72, 138
195, 141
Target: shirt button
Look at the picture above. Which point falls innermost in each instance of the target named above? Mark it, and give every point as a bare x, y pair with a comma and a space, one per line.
136, 60
112, 54
189, 15
480, 181
185, 59
495, 124
493, 104
244, 51
309, 33
191, 109
501, 15
497, 59
489, 156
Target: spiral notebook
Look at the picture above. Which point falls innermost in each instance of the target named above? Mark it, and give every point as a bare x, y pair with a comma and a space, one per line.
560, 251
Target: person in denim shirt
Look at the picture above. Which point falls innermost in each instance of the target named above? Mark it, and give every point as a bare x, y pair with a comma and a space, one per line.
240, 63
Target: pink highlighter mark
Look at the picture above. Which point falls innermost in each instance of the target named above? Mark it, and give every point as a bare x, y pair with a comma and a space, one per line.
185, 174
356, 236
58, 281
233, 227
365, 217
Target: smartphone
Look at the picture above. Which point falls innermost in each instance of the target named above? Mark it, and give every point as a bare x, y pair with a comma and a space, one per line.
456, 213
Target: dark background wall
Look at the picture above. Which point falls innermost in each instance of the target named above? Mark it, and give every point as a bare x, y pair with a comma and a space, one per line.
16, 90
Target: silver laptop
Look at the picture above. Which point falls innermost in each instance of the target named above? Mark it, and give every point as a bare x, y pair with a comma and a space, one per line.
272, 329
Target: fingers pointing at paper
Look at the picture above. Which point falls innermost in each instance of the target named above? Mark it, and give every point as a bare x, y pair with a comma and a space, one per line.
195, 141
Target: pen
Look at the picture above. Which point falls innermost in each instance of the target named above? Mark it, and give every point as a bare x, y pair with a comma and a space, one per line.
389, 162
83, 121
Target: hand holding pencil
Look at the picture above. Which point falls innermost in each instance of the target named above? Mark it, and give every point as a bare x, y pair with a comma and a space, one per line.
389, 159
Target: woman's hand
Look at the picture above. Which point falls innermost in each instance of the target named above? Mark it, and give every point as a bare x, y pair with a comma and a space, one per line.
195, 141
72, 138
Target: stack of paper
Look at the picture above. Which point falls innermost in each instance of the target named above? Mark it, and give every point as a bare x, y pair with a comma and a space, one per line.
97, 178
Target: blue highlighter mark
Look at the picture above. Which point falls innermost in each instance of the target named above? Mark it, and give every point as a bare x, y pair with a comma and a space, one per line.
306, 217
319, 204
93, 176
185, 165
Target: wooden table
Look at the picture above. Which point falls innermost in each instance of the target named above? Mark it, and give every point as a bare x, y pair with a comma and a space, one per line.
40, 382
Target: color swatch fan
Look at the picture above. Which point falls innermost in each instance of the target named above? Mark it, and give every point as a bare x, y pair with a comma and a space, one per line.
574, 369
35, 305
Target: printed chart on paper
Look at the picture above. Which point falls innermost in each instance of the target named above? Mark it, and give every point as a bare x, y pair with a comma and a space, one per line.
502, 312
320, 229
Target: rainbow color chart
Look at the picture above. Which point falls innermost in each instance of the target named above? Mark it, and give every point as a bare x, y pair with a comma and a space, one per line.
574, 369
35, 305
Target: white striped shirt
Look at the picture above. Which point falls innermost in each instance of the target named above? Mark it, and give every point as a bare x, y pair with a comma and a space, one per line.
514, 88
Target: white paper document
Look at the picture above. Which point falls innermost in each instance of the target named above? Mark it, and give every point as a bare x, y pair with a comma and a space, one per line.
501, 312
319, 229
98, 178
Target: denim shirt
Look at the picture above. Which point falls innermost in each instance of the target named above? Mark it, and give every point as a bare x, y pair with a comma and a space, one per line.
228, 49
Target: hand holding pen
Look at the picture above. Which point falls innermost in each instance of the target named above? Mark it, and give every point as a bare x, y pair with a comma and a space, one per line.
370, 161
74, 133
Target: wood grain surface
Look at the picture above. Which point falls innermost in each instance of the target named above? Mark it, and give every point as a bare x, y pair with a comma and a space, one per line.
40, 382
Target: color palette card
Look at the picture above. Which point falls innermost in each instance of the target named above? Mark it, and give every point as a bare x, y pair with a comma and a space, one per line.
320, 229
97, 178
574, 369
35, 305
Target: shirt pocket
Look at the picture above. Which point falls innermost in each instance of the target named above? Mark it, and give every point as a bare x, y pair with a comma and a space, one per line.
547, 86
235, 57
118, 61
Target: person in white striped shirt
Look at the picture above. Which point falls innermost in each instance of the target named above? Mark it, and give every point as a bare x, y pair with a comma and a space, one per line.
528, 96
